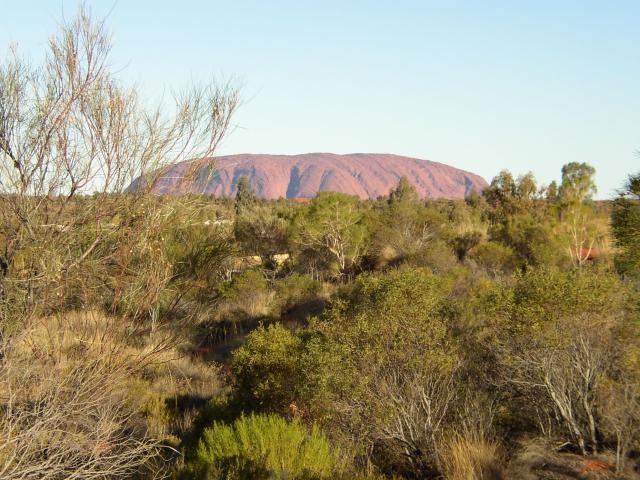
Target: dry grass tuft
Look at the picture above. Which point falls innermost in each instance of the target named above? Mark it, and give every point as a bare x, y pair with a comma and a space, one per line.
471, 456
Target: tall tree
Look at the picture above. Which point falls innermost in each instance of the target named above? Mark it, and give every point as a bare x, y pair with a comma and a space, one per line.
501, 189
577, 182
578, 217
501, 196
404, 192
551, 193
625, 221
245, 196
526, 186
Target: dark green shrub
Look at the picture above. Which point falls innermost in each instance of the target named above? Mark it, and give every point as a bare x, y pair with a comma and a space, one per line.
625, 221
267, 368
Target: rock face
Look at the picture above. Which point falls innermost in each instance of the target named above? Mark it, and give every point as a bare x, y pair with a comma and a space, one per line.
367, 175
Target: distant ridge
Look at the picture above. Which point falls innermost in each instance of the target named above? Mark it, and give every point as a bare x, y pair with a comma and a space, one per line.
367, 175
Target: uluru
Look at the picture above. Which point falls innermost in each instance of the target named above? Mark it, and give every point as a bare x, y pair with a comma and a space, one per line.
366, 175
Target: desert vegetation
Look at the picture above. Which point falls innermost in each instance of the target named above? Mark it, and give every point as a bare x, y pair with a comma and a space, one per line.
189, 337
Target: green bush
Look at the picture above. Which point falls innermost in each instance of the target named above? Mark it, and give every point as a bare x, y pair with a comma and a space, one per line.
331, 234
247, 294
267, 368
387, 332
547, 294
495, 258
264, 447
535, 239
437, 255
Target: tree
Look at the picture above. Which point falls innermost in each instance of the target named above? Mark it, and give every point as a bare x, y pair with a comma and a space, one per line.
502, 188
404, 192
332, 226
552, 192
500, 195
584, 233
404, 227
625, 221
245, 196
526, 187
508, 196
576, 187
577, 183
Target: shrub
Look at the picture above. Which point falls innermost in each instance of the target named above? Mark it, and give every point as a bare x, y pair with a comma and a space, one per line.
547, 294
263, 230
536, 241
495, 258
381, 354
264, 447
562, 342
266, 368
247, 293
66, 410
464, 242
437, 255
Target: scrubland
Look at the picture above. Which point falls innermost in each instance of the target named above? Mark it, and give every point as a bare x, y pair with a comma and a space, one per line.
183, 336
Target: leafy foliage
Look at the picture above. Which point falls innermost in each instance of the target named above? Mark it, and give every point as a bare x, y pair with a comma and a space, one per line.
267, 369
264, 447
332, 230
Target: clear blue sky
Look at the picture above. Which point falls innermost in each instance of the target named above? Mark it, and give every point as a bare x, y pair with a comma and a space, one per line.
481, 85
